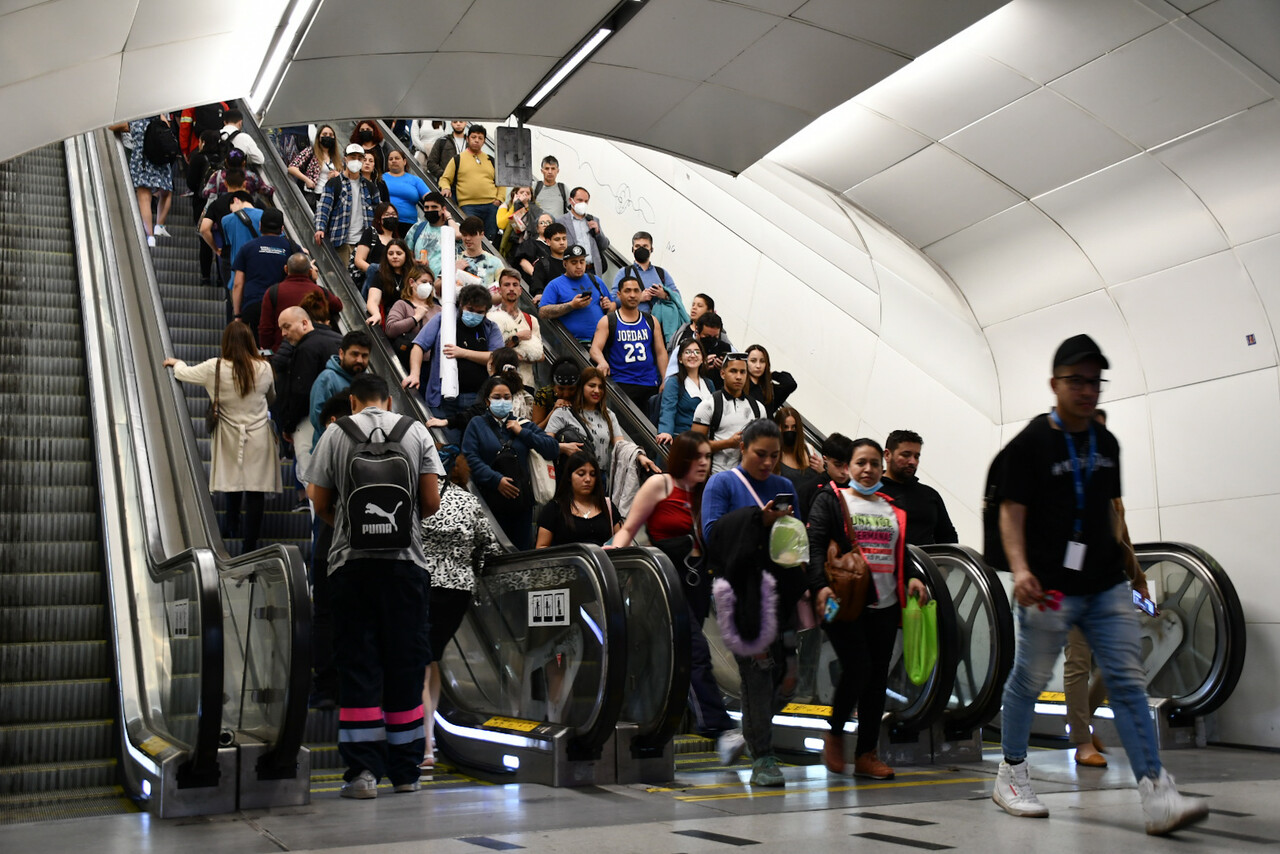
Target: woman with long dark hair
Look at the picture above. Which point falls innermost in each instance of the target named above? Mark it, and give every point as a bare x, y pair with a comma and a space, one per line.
395, 273
770, 387
798, 463
580, 512
372, 247
313, 166
682, 393
866, 529
245, 458
369, 135
591, 415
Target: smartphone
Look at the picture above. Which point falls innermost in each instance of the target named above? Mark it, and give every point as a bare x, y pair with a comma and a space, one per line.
1144, 604
782, 501
833, 608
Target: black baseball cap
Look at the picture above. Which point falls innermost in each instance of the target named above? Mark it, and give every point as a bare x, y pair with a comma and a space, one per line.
565, 372
1077, 349
577, 250
272, 220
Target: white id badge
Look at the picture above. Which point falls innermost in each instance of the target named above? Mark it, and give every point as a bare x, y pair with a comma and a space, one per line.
1074, 558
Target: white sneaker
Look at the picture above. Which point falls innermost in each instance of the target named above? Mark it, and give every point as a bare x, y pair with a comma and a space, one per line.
361, 787
1014, 794
160, 231
1166, 810
151, 241
730, 745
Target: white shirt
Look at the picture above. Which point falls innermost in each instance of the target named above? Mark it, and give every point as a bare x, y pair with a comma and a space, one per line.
244, 142
582, 237
737, 413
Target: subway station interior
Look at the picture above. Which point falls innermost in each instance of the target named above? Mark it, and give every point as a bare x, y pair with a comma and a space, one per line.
909, 203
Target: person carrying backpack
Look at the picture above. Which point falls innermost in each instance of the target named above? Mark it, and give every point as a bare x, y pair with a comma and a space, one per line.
723, 415
373, 477
151, 169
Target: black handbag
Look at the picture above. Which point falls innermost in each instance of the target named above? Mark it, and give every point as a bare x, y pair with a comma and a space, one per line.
214, 413
507, 464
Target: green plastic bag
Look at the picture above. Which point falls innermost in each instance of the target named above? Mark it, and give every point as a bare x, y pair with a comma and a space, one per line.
788, 542
919, 639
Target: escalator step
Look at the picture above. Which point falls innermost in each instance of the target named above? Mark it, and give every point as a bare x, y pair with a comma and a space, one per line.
31, 589
28, 498
57, 775
69, 699
86, 802
65, 555
39, 305
53, 623
51, 406
59, 660
65, 741
42, 527
40, 449
41, 348
38, 381
17, 424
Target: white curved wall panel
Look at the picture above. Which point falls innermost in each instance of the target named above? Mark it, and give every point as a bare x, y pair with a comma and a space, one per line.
892, 253
1234, 167
1040, 142
1249, 717
1160, 86
1017, 261
1232, 422
1261, 260
1127, 418
882, 142
1191, 322
1134, 218
958, 193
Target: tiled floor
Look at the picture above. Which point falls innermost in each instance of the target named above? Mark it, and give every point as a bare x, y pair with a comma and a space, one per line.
712, 809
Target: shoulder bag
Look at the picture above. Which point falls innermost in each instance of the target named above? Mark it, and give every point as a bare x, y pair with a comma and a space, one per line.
214, 413
848, 575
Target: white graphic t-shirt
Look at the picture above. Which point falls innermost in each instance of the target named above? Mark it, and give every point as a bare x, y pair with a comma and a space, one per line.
876, 528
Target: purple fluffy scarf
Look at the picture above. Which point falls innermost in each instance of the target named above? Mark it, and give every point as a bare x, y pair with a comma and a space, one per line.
725, 600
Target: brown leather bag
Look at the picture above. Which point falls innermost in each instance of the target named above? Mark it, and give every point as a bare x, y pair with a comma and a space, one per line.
848, 575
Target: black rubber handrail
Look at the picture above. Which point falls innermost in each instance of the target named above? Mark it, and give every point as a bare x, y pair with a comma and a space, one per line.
1229, 625
995, 604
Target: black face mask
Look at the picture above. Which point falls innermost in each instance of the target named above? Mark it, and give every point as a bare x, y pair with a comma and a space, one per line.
789, 437
365, 136
328, 142
389, 223
641, 254
432, 217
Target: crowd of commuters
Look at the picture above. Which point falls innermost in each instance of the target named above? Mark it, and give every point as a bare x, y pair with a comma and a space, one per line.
554, 465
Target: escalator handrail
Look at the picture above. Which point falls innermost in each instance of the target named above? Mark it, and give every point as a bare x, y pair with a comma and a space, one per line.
633, 422
281, 758
986, 703
1229, 624
933, 703
201, 767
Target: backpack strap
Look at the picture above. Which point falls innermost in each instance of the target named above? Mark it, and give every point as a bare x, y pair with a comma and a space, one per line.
402, 427
717, 412
528, 320
273, 293
248, 223
349, 427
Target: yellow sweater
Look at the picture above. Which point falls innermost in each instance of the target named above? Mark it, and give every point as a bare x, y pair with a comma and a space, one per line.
475, 185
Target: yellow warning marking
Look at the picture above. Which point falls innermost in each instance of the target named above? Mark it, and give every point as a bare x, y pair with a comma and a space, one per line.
513, 723
802, 709
155, 745
860, 787
1052, 697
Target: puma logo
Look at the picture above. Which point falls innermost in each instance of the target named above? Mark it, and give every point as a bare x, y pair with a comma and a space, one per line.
388, 527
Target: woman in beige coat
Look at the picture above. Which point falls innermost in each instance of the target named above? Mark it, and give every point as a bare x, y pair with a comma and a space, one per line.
246, 460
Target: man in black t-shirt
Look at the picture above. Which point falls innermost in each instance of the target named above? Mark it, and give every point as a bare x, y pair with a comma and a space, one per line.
1057, 484
927, 519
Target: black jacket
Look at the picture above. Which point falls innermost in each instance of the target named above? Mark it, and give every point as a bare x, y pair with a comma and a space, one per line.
826, 523
927, 513
296, 371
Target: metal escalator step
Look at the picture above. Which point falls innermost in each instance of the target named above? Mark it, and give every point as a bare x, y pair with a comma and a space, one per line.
321, 727
65, 741
195, 337
42, 527
197, 294
87, 802
20, 366
53, 623
42, 328
194, 316
63, 555
28, 498
17, 424
32, 589
194, 354
50, 405
57, 660
36, 380
41, 348
20, 779
67, 699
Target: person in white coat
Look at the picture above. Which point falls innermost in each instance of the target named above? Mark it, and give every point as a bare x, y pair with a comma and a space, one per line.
245, 457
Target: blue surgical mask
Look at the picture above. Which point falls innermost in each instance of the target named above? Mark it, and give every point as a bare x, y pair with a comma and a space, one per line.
500, 409
472, 318
866, 490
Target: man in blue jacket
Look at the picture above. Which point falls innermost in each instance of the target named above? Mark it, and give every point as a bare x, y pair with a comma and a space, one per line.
351, 361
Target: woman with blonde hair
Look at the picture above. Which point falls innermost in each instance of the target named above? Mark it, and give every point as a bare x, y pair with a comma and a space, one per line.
245, 458
313, 166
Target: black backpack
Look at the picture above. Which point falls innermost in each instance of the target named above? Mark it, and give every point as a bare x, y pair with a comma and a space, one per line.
564, 197
380, 488
207, 117
717, 411
992, 546
159, 145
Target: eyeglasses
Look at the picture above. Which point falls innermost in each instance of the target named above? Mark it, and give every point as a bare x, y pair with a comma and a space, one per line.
1078, 382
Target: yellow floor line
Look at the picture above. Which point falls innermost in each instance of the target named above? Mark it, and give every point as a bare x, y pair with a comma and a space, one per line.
831, 789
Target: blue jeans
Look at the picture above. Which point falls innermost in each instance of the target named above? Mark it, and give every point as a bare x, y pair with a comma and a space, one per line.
488, 213
1111, 626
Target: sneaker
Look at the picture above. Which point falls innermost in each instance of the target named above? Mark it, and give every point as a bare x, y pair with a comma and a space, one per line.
869, 765
1166, 810
765, 772
1014, 794
160, 231
362, 787
730, 745
833, 752
151, 241
404, 788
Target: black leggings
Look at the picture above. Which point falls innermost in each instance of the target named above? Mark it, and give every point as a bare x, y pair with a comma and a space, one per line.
864, 647
253, 512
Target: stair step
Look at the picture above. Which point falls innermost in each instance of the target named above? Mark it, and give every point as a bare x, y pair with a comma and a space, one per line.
50, 776
52, 623
67, 699
64, 555
65, 741
48, 589
57, 661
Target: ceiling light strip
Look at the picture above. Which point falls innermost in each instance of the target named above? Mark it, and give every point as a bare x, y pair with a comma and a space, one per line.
569, 67
285, 45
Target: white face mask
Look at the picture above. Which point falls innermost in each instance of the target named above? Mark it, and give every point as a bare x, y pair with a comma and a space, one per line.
424, 291
354, 165
580, 208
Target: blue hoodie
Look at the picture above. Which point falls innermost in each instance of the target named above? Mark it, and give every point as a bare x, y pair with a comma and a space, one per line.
333, 379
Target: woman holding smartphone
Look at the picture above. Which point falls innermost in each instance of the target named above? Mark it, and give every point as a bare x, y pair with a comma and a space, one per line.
863, 521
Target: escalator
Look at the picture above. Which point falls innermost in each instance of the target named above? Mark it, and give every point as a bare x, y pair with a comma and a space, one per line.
59, 752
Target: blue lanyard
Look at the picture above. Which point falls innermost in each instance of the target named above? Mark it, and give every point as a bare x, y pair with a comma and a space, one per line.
1081, 482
